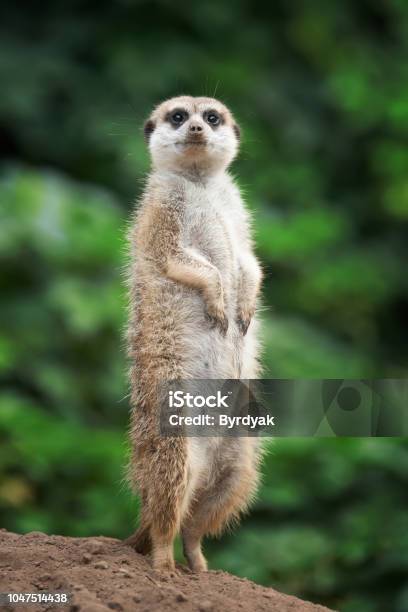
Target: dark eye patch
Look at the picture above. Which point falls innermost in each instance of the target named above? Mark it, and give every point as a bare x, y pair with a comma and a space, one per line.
177, 117
213, 118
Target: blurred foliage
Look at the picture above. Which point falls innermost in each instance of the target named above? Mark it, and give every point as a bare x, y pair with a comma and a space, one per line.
320, 90
59, 477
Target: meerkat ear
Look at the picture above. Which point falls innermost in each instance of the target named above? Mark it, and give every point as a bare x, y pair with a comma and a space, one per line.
148, 129
237, 131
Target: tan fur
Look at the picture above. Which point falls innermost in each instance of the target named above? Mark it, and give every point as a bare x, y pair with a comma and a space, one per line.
194, 282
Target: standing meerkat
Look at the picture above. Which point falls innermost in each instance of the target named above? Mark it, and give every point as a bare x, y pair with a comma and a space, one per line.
194, 282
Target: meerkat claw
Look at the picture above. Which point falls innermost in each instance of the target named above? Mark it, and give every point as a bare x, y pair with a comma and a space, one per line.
243, 325
221, 323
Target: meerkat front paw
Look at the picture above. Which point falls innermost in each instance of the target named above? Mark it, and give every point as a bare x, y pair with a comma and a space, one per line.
243, 319
217, 317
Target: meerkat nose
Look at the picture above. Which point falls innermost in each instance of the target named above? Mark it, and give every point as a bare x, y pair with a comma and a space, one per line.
196, 127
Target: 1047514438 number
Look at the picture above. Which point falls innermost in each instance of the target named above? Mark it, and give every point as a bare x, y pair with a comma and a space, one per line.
42, 597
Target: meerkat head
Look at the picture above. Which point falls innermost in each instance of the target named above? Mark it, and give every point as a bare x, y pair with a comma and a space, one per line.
192, 135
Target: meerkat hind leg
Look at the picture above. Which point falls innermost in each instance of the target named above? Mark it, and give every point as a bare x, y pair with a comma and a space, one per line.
163, 505
192, 552
213, 509
162, 553
162, 534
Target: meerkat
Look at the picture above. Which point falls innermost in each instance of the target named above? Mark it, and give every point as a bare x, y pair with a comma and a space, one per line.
194, 282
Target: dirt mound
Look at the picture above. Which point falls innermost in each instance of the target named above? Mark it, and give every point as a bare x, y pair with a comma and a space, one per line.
104, 574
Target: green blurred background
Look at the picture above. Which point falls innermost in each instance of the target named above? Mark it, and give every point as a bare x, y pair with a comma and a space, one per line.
321, 92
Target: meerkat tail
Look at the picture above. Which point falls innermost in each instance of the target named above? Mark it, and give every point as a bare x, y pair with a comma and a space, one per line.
140, 540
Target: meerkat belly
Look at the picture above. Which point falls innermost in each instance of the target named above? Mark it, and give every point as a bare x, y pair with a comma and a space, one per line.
212, 355
174, 320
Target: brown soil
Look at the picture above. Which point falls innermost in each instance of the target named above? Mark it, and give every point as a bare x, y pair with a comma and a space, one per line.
105, 574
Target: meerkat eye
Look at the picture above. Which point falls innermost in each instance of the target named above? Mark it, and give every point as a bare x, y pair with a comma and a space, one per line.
213, 118
178, 117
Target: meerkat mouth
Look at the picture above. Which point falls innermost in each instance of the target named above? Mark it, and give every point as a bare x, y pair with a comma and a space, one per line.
192, 142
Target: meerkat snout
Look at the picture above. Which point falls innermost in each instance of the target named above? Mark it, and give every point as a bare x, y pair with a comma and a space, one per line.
195, 127
185, 132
